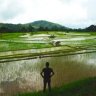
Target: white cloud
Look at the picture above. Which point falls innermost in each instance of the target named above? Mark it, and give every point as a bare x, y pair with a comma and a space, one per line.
9, 9
74, 13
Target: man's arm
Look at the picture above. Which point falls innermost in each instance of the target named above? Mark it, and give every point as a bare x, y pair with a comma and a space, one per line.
42, 74
52, 73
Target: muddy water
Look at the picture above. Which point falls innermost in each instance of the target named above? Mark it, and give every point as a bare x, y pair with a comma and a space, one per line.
24, 75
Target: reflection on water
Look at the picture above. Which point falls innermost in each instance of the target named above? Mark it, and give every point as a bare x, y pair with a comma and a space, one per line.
24, 75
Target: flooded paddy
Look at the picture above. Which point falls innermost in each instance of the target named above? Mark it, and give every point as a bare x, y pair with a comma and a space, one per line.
24, 75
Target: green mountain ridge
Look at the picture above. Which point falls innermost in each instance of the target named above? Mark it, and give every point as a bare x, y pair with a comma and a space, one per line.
29, 27
43, 23
40, 25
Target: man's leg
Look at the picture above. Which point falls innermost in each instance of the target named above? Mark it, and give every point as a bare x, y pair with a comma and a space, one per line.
44, 87
49, 85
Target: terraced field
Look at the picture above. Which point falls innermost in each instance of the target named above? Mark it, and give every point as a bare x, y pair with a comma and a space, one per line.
13, 45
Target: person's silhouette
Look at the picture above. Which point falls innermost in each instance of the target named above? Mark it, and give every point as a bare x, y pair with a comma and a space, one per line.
47, 73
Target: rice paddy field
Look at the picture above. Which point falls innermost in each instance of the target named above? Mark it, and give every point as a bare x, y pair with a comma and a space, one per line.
26, 44
23, 55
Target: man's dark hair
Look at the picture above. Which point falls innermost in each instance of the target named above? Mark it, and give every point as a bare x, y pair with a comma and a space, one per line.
47, 64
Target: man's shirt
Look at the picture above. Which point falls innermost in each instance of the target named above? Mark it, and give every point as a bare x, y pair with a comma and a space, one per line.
47, 72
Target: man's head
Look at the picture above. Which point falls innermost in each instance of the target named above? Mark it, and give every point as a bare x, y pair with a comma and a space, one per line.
47, 64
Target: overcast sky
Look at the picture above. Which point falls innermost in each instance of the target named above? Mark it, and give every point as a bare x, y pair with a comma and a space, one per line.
70, 13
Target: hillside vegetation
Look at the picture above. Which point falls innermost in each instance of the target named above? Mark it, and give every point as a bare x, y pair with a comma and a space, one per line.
34, 26
40, 25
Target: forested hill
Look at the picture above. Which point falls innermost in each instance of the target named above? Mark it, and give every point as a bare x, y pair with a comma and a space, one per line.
46, 25
40, 25
34, 26
91, 28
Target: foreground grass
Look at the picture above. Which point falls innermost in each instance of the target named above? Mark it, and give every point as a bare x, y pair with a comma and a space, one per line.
85, 87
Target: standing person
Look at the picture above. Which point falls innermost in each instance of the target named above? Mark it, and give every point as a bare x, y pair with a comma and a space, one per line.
47, 73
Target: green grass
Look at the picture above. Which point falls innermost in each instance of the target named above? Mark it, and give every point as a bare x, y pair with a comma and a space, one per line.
13, 46
85, 87
10, 36
13, 41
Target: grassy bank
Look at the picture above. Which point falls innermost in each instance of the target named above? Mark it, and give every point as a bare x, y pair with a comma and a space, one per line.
85, 87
